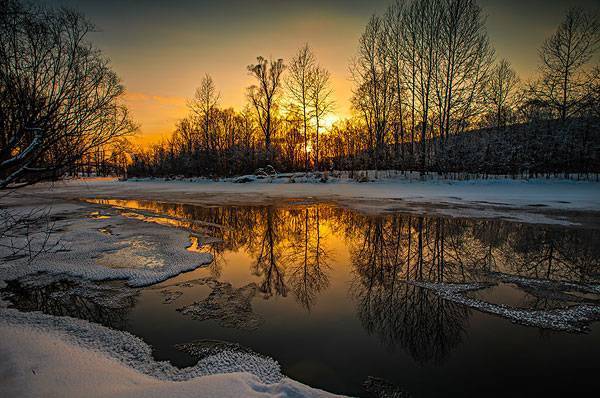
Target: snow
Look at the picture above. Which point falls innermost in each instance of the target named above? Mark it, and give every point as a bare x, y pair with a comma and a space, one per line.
49, 356
581, 195
140, 253
45, 356
575, 319
534, 200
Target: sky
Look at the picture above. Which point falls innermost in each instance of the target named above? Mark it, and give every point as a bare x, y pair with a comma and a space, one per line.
162, 49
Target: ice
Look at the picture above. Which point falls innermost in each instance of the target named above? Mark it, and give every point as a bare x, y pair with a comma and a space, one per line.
575, 318
231, 307
140, 253
532, 200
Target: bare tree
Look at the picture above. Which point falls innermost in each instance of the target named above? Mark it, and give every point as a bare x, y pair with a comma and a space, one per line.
397, 41
463, 62
500, 92
422, 21
59, 98
425, 84
299, 82
373, 94
203, 105
322, 102
564, 56
263, 95
593, 92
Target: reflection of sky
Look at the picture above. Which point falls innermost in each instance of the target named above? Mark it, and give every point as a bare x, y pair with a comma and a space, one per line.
161, 51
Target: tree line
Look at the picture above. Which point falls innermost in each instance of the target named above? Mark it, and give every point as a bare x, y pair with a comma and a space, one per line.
429, 94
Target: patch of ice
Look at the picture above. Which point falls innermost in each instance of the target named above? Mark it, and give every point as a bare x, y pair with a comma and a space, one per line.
572, 319
489, 198
204, 348
544, 284
381, 388
230, 307
140, 253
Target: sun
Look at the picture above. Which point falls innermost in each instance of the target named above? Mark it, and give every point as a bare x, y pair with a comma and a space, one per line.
329, 120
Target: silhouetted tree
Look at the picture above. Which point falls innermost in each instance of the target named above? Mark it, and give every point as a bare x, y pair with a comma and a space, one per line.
263, 95
373, 94
426, 96
564, 56
500, 93
59, 97
321, 103
299, 82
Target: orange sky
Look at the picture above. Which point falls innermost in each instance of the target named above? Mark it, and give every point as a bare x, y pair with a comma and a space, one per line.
162, 49
157, 97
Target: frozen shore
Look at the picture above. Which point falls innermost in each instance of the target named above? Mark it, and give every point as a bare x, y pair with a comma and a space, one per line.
56, 356
46, 356
50, 356
99, 247
549, 201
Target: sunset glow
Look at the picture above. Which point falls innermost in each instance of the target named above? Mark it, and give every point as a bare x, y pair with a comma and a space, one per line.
167, 51
307, 199
330, 120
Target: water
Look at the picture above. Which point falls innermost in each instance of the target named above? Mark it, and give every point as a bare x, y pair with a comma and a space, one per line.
323, 290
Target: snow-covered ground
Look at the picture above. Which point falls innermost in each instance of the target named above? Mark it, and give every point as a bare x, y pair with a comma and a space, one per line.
537, 200
556, 193
45, 356
82, 246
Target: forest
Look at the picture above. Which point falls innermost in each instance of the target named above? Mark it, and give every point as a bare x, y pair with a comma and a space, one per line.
429, 94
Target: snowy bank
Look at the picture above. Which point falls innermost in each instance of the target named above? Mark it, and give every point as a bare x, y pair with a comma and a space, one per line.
554, 193
548, 201
46, 356
52, 356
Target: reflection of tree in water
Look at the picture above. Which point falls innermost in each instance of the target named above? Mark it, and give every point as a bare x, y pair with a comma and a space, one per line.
268, 248
425, 325
388, 251
290, 254
101, 303
288, 249
280, 239
457, 249
552, 253
307, 258
410, 247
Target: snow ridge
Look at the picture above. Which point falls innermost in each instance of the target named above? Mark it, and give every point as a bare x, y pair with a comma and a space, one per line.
135, 353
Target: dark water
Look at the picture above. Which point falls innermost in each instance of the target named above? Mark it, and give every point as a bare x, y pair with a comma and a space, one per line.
323, 290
